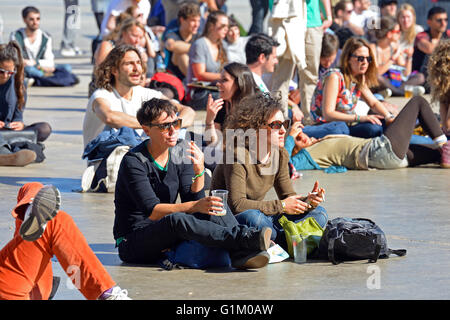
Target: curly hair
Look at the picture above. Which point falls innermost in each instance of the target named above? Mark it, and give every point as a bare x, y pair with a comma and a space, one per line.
104, 79
439, 73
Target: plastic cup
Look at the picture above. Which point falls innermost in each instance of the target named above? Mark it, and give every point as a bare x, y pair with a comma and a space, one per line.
299, 248
223, 195
409, 91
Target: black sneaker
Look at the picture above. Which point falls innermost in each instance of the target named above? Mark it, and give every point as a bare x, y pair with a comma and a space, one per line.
44, 207
249, 260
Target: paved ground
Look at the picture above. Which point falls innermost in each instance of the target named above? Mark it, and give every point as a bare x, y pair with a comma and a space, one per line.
411, 205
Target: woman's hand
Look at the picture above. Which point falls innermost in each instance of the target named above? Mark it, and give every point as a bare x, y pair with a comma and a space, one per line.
208, 205
197, 158
17, 125
212, 108
316, 196
296, 128
294, 206
372, 118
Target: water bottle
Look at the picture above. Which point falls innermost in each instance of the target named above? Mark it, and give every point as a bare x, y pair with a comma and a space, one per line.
160, 66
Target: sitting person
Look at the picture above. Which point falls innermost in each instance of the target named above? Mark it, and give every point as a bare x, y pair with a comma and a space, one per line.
428, 40
12, 105
36, 46
207, 56
391, 150
406, 18
42, 231
338, 92
394, 70
148, 220
235, 43
439, 81
342, 26
179, 41
256, 165
118, 97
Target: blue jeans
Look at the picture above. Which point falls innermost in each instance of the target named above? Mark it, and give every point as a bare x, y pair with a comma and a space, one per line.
257, 219
33, 72
321, 130
367, 130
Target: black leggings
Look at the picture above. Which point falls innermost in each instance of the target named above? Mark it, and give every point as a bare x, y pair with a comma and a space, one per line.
400, 131
42, 129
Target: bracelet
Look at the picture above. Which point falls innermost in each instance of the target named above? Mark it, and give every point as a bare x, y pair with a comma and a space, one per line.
198, 175
283, 205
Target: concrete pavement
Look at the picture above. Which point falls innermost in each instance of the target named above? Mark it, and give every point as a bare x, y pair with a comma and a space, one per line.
411, 205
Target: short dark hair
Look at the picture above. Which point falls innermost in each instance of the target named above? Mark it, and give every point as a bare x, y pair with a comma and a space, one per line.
257, 44
26, 11
188, 9
387, 24
435, 10
152, 109
330, 45
384, 3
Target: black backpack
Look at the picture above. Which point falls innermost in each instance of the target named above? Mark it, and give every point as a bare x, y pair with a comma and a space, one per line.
347, 239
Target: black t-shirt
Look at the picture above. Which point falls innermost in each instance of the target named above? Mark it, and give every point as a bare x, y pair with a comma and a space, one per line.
141, 186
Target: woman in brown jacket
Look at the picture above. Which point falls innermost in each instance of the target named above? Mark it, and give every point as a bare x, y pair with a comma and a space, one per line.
258, 163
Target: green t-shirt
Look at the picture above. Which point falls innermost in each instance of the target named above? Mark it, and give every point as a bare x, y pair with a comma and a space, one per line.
313, 14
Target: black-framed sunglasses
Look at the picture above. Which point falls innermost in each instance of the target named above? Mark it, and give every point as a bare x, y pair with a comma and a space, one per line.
7, 72
277, 124
166, 126
361, 58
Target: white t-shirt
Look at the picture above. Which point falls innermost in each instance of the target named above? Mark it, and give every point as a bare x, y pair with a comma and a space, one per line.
32, 48
92, 125
116, 7
361, 19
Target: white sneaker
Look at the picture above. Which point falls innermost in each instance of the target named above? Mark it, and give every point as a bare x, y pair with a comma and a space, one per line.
116, 294
68, 52
418, 91
86, 178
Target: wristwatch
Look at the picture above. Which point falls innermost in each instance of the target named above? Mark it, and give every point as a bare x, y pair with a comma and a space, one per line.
283, 205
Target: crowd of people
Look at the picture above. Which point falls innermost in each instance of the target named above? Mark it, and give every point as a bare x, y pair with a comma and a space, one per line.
311, 93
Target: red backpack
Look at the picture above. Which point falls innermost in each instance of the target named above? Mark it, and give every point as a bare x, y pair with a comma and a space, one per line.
163, 77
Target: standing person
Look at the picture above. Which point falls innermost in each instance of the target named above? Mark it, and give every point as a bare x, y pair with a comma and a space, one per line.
261, 57
42, 231
339, 91
428, 40
72, 23
259, 13
309, 76
207, 56
178, 42
12, 105
261, 165
99, 8
148, 220
439, 81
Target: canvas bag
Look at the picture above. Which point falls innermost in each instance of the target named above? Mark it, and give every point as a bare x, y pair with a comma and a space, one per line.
308, 228
347, 239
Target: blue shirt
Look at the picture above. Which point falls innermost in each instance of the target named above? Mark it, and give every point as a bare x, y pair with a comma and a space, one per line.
9, 111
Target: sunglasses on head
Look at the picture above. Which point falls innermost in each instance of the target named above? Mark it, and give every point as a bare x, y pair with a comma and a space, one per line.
278, 124
7, 72
361, 58
166, 126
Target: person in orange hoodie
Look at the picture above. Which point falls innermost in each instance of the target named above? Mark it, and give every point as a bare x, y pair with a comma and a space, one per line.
42, 230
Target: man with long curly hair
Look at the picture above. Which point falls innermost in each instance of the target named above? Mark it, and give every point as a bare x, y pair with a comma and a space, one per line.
119, 95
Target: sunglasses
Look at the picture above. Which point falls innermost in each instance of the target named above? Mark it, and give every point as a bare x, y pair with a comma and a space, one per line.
7, 72
361, 58
164, 127
278, 124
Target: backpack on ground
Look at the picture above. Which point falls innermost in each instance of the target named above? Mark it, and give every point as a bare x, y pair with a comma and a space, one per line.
347, 239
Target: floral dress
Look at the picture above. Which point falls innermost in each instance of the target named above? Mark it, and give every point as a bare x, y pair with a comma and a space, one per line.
346, 100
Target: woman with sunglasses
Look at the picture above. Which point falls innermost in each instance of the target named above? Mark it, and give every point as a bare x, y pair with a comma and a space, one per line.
258, 163
207, 56
149, 219
339, 91
12, 105
391, 150
394, 64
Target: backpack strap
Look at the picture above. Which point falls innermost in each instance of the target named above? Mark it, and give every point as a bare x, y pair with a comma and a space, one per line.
331, 250
398, 252
376, 254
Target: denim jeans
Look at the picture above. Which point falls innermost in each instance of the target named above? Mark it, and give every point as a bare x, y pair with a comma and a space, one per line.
321, 130
257, 219
367, 130
145, 245
33, 72
259, 12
